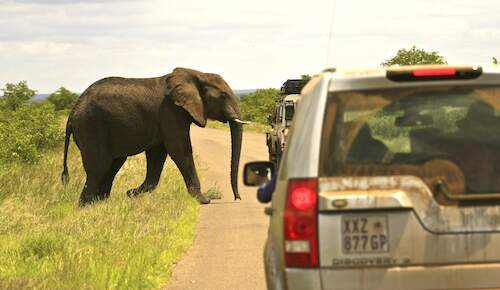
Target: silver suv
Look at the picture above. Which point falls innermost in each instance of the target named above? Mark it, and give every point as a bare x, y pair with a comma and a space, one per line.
280, 121
390, 180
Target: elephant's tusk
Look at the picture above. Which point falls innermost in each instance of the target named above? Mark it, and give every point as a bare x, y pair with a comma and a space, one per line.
241, 122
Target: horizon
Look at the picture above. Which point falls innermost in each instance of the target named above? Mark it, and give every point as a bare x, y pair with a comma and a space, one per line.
238, 92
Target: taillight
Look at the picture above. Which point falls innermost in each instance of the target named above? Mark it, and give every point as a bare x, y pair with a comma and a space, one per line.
301, 223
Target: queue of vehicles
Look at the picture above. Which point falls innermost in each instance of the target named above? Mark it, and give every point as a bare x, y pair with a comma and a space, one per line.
390, 179
281, 118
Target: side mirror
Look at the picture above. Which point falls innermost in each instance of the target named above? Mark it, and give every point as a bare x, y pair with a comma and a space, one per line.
258, 172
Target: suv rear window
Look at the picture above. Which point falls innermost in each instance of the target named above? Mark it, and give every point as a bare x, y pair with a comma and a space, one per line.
450, 132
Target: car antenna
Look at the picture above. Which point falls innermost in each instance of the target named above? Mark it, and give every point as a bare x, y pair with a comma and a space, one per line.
330, 33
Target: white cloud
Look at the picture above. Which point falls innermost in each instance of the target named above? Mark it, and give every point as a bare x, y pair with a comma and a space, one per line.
37, 48
250, 43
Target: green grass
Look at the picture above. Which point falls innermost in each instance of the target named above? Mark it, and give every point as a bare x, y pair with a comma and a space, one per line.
47, 242
214, 193
253, 127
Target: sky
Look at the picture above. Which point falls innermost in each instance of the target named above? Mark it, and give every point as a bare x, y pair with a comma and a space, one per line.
251, 44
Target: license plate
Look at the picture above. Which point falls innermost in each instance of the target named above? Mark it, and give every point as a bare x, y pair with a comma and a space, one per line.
364, 234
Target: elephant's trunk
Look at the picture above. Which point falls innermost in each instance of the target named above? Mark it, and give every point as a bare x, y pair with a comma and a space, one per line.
236, 138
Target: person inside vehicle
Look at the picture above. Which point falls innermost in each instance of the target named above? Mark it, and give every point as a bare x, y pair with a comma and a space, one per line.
260, 176
471, 147
483, 127
365, 148
480, 123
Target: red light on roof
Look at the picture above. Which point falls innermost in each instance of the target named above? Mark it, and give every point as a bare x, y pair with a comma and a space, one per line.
434, 72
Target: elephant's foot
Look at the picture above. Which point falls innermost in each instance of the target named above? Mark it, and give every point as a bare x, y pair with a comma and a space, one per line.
133, 192
83, 203
202, 199
87, 200
137, 191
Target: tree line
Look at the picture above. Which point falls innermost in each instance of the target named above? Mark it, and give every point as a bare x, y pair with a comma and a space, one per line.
29, 128
258, 105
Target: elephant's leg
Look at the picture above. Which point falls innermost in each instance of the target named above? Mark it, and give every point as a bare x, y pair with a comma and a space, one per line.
155, 158
96, 169
107, 182
183, 158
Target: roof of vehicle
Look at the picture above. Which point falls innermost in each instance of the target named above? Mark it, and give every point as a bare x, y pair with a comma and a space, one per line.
293, 86
377, 78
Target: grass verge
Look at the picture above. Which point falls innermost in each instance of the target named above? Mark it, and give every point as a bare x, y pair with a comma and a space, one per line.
47, 242
253, 127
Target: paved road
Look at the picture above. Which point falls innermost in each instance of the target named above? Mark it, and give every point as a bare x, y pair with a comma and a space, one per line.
230, 235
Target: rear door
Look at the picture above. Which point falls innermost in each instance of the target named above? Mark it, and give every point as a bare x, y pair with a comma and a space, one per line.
384, 223
391, 233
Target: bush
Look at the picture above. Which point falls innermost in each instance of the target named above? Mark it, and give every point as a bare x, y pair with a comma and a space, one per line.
258, 105
15, 95
27, 132
63, 99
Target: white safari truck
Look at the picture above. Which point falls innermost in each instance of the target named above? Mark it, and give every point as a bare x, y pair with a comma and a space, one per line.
390, 180
281, 119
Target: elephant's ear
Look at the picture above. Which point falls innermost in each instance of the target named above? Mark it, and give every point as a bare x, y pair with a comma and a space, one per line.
183, 89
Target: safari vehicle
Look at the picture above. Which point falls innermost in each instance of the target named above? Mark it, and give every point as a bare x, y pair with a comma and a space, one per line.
281, 119
390, 180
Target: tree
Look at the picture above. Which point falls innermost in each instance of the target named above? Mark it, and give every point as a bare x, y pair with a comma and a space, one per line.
258, 105
305, 77
495, 60
14, 95
63, 99
414, 56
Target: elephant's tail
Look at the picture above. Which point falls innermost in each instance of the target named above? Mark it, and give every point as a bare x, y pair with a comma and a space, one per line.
65, 173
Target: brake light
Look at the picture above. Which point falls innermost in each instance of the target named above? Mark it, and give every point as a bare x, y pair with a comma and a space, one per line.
301, 223
434, 72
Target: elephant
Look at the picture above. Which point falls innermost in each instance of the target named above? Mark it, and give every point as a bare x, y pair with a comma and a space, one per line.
119, 117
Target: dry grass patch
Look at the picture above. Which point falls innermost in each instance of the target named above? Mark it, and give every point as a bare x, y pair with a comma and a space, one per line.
214, 192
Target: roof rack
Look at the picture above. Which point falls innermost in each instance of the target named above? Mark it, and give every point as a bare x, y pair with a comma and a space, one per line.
292, 86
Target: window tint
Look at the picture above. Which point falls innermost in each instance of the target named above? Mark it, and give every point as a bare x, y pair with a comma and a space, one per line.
399, 131
289, 110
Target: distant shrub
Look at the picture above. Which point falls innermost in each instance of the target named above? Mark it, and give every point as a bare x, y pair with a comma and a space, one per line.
27, 132
63, 99
15, 95
415, 56
258, 105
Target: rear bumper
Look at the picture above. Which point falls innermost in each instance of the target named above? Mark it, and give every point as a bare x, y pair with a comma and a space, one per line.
303, 279
470, 276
